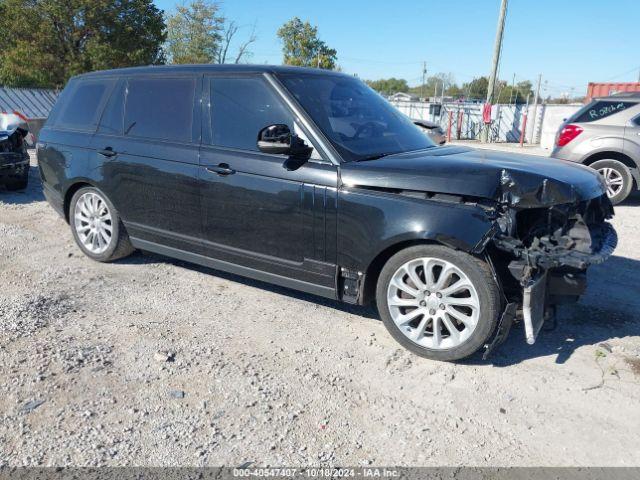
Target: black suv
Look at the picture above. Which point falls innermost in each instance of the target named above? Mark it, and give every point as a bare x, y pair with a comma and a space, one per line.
309, 179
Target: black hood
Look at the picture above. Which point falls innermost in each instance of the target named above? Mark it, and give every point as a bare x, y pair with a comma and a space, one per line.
520, 180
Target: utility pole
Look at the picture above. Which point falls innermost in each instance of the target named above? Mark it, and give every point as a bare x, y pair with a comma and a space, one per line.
424, 76
513, 86
497, 48
535, 110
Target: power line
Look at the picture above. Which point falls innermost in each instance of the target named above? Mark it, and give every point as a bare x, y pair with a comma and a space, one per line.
623, 74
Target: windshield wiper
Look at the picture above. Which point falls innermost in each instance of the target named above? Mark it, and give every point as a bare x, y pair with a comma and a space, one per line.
374, 157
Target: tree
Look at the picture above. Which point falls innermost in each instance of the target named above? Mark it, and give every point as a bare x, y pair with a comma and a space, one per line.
194, 33
434, 85
302, 47
517, 94
198, 33
389, 86
455, 91
230, 32
477, 88
44, 42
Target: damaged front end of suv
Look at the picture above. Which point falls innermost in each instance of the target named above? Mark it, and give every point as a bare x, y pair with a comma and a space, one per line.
546, 236
14, 159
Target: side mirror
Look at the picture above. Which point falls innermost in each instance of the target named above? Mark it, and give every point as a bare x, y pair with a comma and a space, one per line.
275, 139
278, 140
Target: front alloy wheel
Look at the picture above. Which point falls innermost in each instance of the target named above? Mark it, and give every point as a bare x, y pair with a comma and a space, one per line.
438, 302
433, 303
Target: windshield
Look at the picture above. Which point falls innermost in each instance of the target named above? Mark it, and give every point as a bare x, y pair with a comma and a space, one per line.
359, 123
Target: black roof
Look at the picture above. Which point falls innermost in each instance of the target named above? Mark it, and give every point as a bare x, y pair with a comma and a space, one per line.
204, 68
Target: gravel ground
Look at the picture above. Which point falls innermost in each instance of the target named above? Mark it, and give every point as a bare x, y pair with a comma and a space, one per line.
153, 362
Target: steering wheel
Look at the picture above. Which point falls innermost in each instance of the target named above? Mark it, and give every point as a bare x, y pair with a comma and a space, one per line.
369, 126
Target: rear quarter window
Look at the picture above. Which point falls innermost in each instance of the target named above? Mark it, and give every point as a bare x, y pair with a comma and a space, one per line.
81, 104
601, 109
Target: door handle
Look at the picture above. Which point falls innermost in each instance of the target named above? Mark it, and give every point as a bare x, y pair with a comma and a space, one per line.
221, 169
107, 152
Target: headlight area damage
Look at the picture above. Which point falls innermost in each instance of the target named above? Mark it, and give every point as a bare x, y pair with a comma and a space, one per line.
14, 159
545, 238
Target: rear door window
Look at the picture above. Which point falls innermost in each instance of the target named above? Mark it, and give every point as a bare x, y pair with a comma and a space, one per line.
601, 109
81, 108
160, 108
240, 108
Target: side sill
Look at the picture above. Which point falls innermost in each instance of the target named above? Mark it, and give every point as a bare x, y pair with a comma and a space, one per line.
260, 275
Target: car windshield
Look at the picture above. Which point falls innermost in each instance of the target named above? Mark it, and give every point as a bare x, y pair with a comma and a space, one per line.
359, 123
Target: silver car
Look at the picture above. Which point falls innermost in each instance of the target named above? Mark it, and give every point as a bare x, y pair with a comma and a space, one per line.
605, 134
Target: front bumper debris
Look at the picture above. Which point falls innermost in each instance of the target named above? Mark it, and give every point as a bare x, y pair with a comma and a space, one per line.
12, 165
543, 255
592, 245
534, 306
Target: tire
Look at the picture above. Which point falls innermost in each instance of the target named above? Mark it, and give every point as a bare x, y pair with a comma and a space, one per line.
19, 183
418, 335
615, 171
91, 215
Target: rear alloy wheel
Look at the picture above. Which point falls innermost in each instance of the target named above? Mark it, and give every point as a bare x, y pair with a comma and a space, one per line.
439, 303
617, 178
96, 226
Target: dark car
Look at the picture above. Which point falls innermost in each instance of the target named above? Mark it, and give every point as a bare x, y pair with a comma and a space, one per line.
310, 180
14, 158
432, 129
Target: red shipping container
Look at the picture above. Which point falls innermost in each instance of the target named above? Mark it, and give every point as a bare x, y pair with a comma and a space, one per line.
604, 89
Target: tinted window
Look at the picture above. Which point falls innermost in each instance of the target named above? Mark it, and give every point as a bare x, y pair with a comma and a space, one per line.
61, 101
80, 109
240, 108
111, 121
160, 108
601, 109
357, 121
636, 121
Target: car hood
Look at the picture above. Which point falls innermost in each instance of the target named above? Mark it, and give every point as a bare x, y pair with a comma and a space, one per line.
520, 180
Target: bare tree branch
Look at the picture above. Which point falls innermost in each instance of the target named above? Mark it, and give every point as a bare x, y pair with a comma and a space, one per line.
228, 35
242, 50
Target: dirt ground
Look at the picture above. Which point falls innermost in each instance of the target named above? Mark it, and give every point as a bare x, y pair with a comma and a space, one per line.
154, 362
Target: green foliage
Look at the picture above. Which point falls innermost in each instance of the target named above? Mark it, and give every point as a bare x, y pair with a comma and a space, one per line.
389, 86
454, 91
44, 42
302, 47
433, 86
194, 33
517, 94
476, 88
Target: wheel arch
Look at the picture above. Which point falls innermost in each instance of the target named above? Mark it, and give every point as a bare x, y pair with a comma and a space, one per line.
375, 266
610, 155
71, 190
619, 156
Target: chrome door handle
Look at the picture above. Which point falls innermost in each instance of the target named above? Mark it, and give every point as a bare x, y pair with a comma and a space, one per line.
222, 169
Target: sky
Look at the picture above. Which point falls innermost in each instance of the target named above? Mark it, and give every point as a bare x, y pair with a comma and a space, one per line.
569, 42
